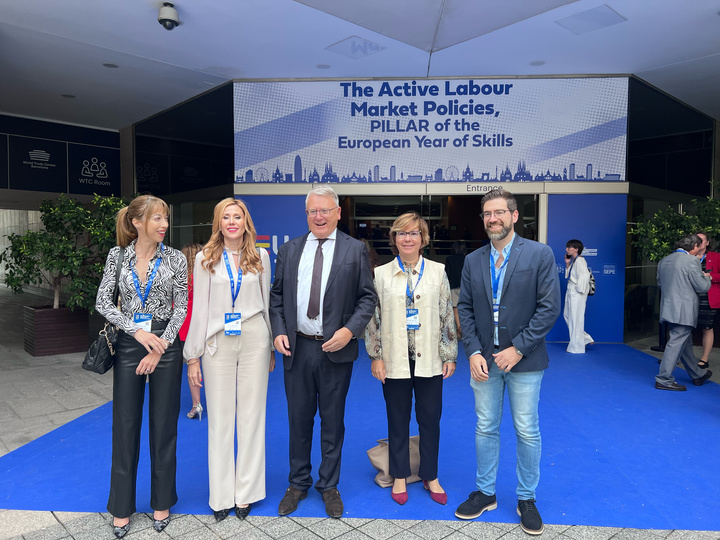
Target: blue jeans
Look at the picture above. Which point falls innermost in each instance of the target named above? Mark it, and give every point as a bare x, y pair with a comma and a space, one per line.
524, 394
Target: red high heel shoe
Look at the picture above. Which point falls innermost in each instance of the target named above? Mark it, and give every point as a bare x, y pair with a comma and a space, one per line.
400, 498
440, 498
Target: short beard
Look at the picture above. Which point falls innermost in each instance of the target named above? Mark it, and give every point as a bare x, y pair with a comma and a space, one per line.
495, 237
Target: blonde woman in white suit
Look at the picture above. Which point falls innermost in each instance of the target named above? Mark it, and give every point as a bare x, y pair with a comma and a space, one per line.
230, 330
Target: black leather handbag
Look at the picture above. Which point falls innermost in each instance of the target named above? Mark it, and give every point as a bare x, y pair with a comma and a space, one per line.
101, 355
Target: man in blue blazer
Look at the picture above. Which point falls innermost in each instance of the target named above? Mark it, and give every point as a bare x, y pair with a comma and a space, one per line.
321, 301
509, 301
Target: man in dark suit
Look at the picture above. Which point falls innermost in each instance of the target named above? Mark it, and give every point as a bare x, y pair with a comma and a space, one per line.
320, 303
509, 301
681, 279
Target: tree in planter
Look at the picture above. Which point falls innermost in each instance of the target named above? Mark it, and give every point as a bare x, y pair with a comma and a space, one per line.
70, 250
655, 235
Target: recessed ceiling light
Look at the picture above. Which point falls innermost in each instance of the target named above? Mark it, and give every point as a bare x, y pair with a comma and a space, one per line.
591, 20
69, 96
323, 66
111, 66
537, 63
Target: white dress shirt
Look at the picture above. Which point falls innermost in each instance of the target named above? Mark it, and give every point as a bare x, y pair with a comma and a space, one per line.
313, 327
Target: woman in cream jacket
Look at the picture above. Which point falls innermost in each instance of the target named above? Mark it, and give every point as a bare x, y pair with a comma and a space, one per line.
412, 343
230, 329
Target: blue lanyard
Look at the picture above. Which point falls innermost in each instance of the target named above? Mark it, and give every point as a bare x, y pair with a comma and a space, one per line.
680, 250
408, 292
571, 265
496, 276
233, 291
143, 297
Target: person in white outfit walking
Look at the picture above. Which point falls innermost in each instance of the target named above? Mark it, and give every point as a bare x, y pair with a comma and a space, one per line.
578, 287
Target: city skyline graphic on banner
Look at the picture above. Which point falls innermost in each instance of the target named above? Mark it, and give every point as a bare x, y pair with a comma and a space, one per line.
572, 172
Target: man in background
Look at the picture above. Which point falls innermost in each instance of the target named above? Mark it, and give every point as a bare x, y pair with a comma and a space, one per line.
681, 279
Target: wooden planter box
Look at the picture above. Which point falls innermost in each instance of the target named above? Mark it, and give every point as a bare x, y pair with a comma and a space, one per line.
55, 331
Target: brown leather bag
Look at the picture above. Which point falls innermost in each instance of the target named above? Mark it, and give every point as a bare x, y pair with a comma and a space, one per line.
380, 459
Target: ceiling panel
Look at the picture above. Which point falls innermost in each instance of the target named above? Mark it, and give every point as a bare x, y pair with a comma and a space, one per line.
49, 48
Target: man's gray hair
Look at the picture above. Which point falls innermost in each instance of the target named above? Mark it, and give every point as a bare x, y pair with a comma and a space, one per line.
689, 242
323, 191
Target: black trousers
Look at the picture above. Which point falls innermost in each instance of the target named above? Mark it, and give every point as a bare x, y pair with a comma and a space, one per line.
398, 395
314, 380
128, 398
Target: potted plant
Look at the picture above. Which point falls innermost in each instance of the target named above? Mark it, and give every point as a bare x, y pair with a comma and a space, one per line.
655, 237
67, 254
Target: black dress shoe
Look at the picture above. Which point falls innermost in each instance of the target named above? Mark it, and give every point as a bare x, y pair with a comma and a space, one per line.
160, 524
221, 514
241, 512
333, 503
672, 386
702, 380
290, 500
119, 532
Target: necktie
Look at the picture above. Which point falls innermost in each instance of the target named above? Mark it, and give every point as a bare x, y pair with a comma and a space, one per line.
314, 303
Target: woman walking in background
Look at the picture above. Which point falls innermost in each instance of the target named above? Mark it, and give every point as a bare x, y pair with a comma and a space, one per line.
153, 303
230, 329
190, 251
578, 287
709, 302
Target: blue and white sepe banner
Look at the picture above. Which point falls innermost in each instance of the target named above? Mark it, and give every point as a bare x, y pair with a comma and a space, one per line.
431, 130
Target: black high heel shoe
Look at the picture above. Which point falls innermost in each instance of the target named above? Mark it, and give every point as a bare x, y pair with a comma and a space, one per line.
160, 524
221, 514
119, 532
242, 512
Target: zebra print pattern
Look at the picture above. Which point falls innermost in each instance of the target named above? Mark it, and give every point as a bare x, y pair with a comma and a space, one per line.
167, 299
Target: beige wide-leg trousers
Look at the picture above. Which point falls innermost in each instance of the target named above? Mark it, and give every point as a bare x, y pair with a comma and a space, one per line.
236, 381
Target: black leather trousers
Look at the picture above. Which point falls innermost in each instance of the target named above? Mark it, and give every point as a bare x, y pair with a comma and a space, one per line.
128, 398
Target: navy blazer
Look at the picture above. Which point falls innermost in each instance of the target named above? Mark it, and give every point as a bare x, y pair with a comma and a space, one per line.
349, 301
529, 304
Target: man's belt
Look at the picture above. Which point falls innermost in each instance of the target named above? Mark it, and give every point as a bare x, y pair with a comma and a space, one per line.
316, 338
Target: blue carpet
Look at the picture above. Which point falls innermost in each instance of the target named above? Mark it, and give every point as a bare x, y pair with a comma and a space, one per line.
616, 452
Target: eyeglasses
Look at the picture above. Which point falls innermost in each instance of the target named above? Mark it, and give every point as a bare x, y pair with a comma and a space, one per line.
324, 212
411, 234
497, 213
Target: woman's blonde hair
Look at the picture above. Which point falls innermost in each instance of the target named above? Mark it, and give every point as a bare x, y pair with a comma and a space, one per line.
140, 208
403, 222
190, 250
249, 257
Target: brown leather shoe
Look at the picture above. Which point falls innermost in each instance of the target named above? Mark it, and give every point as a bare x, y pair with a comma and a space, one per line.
333, 503
290, 500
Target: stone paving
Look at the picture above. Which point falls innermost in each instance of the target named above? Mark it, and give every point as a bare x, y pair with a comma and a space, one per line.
39, 394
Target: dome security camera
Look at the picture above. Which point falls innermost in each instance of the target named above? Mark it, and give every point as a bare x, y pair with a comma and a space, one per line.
168, 16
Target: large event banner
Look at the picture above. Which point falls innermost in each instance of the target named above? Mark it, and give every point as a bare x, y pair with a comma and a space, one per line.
599, 222
431, 130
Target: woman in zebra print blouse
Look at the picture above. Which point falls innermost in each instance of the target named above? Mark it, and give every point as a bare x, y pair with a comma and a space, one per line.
153, 303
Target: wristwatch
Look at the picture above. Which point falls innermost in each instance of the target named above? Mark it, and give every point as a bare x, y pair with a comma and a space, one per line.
517, 351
